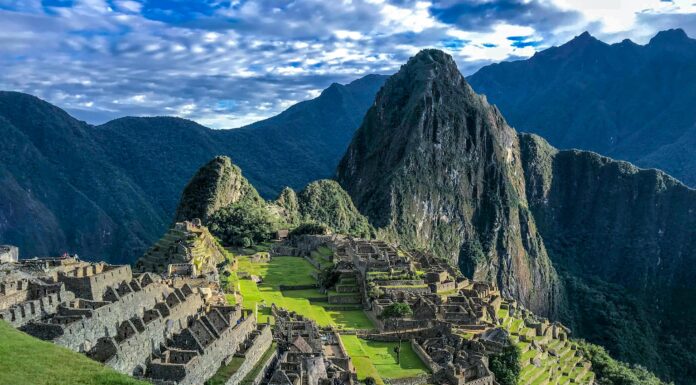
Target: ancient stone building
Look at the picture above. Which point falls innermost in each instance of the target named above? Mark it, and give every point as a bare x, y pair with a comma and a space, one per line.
194, 354
307, 354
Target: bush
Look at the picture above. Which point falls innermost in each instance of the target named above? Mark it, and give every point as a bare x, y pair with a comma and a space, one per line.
612, 372
506, 365
328, 277
396, 310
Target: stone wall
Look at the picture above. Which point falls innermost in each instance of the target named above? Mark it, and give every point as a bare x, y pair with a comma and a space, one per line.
201, 367
13, 292
82, 334
133, 352
90, 285
425, 357
34, 310
416, 380
261, 344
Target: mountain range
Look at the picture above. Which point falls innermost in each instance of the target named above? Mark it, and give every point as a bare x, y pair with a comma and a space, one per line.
628, 101
110, 191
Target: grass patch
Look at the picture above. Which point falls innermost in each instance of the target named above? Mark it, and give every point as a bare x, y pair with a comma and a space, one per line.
378, 360
27, 360
291, 271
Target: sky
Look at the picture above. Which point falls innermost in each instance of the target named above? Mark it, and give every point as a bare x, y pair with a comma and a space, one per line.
227, 63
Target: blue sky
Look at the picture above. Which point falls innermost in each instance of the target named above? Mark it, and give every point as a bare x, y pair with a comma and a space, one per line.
226, 63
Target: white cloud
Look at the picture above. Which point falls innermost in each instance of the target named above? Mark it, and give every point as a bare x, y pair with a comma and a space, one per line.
250, 60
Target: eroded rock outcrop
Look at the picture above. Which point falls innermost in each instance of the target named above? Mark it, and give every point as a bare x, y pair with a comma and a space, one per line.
435, 166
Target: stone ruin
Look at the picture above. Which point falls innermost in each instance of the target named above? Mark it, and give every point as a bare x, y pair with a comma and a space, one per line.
187, 249
161, 330
307, 354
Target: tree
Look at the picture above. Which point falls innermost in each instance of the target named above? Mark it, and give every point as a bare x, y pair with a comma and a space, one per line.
242, 224
396, 310
506, 365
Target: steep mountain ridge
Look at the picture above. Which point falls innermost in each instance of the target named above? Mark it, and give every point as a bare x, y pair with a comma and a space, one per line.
55, 171
599, 244
624, 240
624, 100
435, 166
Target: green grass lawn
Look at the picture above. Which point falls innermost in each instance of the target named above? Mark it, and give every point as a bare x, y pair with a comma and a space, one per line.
378, 360
291, 271
27, 360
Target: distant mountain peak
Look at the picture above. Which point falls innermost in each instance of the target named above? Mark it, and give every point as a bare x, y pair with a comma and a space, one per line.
582, 40
670, 37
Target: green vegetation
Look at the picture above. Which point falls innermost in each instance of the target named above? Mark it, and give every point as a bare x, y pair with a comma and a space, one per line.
27, 360
558, 363
326, 202
378, 359
309, 228
612, 372
396, 310
242, 224
506, 365
290, 271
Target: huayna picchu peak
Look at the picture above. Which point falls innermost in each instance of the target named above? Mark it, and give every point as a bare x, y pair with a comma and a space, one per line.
435, 166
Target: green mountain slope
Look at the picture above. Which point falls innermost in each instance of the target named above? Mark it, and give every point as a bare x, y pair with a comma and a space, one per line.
603, 246
624, 240
77, 200
226, 201
109, 192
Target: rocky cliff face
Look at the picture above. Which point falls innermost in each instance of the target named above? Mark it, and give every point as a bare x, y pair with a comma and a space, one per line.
624, 240
217, 184
434, 165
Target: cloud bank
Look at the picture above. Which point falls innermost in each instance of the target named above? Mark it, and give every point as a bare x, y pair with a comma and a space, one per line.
229, 63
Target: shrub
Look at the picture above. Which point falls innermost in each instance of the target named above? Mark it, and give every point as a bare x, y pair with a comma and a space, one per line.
396, 310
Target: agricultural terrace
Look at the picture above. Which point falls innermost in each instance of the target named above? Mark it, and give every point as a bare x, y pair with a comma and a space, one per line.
558, 363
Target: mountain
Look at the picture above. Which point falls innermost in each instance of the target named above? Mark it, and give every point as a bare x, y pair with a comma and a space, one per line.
605, 247
628, 101
435, 166
299, 145
60, 192
217, 184
624, 242
109, 192
225, 200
